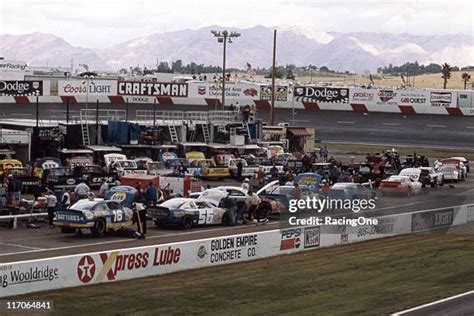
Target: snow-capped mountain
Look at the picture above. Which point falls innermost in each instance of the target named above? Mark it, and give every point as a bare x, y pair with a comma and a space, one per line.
295, 45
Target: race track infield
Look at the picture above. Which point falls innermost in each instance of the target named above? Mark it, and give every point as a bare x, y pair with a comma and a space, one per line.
370, 278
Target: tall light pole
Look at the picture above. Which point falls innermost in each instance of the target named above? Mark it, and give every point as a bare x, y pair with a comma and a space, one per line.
224, 37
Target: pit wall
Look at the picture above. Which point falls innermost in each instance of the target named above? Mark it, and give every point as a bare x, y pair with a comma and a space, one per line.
110, 266
201, 94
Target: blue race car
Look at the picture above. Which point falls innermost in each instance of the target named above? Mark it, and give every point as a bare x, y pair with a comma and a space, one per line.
99, 215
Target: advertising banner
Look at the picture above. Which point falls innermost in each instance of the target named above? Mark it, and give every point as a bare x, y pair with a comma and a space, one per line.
79, 87
108, 266
281, 93
428, 220
414, 98
443, 98
387, 97
21, 88
232, 91
322, 94
161, 89
363, 96
12, 69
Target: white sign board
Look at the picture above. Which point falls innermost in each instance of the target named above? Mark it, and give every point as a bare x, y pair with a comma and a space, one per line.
232, 90
79, 87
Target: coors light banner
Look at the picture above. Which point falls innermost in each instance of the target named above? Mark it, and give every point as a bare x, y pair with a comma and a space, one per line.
21, 88
322, 94
79, 87
159, 89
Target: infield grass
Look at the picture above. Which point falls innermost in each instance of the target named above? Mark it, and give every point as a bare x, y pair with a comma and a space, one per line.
370, 278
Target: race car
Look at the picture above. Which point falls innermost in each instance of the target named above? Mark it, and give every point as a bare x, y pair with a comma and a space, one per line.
27, 180
450, 173
61, 177
206, 168
94, 175
98, 215
186, 213
426, 175
400, 185
247, 171
6, 164
270, 203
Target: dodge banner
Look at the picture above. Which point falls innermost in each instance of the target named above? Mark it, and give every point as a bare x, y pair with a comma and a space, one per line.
21, 88
322, 94
160, 89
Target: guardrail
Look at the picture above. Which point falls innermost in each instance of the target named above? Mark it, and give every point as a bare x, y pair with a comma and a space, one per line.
16, 217
199, 117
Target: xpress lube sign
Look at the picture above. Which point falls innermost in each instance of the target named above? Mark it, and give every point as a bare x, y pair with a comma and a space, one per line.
322, 94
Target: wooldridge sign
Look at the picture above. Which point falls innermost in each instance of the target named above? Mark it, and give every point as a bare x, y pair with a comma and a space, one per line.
21, 88
165, 89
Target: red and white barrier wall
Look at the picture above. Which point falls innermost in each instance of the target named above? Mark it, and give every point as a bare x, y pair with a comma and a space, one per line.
357, 99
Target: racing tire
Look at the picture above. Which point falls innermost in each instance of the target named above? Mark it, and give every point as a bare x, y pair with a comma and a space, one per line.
99, 228
226, 219
187, 222
68, 230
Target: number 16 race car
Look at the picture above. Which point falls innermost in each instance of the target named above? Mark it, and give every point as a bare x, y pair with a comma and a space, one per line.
99, 215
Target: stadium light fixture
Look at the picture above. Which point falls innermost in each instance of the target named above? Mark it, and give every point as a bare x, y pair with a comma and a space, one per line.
224, 37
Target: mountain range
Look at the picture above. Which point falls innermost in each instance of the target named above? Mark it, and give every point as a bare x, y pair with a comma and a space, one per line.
356, 52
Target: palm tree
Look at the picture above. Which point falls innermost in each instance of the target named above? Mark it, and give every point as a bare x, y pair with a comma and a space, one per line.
465, 77
446, 71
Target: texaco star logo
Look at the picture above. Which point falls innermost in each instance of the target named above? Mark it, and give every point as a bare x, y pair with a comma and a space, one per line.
86, 269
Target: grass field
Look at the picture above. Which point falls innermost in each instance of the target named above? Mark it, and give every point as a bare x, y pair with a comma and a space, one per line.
422, 81
370, 278
361, 149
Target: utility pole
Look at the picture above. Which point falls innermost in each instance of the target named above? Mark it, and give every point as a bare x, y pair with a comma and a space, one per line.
224, 37
97, 122
272, 109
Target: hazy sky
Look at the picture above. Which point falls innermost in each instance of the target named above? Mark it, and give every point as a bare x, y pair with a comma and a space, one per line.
100, 23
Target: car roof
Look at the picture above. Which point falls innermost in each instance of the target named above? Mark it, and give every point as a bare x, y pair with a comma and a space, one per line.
345, 184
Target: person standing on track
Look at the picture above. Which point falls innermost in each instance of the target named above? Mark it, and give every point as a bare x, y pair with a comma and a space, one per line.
253, 202
240, 167
66, 198
51, 202
103, 188
82, 190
